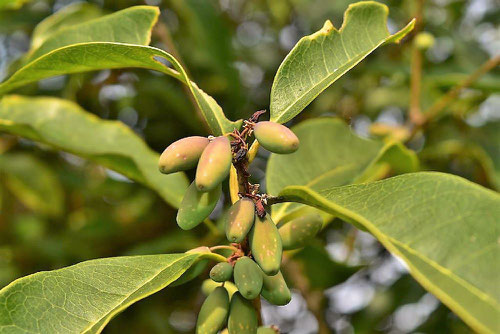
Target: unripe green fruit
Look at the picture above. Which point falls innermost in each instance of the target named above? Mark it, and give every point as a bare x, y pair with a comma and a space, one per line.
213, 312
240, 219
196, 206
242, 316
182, 154
276, 138
208, 286
265, 243
248, 277
221, 272
275, 290
265, 330
214, 164
297, 232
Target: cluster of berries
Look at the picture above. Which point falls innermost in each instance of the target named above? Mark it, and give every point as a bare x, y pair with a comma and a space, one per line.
258, 243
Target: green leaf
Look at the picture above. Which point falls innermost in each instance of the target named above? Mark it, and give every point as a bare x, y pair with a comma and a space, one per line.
106, 43
70, 15
320, 59
33, 183
132, 25
488, 137
445, 228
83, 298
12, 4
64, 125
341, 158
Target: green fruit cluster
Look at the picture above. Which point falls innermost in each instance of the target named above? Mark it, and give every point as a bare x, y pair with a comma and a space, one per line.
254, 267
213, 157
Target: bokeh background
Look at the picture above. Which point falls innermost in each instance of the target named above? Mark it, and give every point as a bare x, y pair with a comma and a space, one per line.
57, 209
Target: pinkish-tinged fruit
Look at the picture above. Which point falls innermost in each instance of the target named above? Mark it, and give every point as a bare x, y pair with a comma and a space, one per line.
214, 164
276, 138
240, 219
182, 154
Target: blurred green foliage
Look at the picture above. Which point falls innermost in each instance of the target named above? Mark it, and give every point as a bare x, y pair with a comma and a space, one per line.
57, 209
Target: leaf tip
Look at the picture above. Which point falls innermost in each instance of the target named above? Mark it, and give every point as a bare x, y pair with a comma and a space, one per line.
327, 27
397, 37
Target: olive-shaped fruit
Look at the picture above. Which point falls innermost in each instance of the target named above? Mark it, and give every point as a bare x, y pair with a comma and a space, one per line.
275, 290
221, 272
182, 154
239, 219
208, 286
265, 330
214, 164
276, 138
242, 316
213, 312
297, 232
196, 206
248, 277
265, 243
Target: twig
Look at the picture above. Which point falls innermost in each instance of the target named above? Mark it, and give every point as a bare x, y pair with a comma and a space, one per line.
441, 104
240, 150
211, 226
232, 248
258, 307
415, 112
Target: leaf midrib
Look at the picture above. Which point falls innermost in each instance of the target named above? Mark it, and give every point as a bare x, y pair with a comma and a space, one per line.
117, 308
351, 61
335, 208
316, 179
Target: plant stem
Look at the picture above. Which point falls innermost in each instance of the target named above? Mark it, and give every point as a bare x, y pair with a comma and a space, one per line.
215, 257
234, 249
441, 104
211, 226
271, 200
415, 112
258, 307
